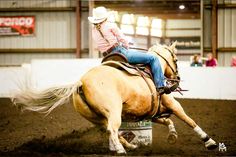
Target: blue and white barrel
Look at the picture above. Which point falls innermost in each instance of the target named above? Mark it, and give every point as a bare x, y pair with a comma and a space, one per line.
139, 133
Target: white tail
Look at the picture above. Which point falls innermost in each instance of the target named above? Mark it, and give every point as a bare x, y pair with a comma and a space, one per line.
44, 101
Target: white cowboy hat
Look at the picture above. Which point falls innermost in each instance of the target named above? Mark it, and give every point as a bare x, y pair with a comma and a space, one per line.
99, 15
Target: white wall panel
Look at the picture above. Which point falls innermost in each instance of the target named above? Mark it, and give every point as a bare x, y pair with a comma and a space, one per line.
220, 81
20, 58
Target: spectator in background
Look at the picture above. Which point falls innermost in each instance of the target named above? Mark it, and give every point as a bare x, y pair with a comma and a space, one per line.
233, 61
196, 62
211, 61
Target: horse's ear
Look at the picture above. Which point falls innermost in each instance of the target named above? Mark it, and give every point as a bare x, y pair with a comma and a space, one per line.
173, 45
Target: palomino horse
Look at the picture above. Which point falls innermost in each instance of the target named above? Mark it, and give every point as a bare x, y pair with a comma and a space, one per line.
110, 95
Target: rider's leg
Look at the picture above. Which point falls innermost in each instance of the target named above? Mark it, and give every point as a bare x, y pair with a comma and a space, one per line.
138, 57
158, 76
171, 103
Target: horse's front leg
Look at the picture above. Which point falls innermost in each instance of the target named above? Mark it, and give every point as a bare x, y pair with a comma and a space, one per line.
174, 105
172, 135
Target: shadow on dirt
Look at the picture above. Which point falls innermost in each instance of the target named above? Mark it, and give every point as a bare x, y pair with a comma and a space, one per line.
92, 141
76, 142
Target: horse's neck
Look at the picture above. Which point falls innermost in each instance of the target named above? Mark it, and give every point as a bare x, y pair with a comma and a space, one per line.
162, 62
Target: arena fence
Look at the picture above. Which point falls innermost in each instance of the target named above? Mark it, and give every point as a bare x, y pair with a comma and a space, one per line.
202, 82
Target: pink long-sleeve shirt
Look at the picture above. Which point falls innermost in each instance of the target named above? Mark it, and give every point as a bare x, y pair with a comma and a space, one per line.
112, 33
211, 63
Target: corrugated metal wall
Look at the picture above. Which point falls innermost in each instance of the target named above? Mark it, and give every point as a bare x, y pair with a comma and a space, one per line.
226, 34
175, 28
207, 28
36, 3
226, 31
58, 30
53, 30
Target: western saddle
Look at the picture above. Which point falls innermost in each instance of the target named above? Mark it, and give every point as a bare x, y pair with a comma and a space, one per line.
119, 61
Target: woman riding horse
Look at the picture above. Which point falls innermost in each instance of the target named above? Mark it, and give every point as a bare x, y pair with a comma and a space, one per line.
110, 39
106, 95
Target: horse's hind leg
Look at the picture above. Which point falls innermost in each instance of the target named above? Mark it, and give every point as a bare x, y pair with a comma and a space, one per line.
172, 135
177, 109
113, 125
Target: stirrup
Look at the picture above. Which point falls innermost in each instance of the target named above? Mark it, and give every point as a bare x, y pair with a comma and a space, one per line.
174, 86
163, 90
167, 89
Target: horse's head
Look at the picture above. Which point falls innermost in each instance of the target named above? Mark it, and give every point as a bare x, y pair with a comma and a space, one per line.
168, 59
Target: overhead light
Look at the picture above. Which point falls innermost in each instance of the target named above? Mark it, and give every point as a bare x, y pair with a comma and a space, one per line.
181, 6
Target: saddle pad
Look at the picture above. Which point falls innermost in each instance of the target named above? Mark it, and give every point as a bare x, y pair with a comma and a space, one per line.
125, 66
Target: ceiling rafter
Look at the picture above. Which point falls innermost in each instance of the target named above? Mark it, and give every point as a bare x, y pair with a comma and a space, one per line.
165, 8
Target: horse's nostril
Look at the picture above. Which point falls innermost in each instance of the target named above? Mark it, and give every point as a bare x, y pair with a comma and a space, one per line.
178, 77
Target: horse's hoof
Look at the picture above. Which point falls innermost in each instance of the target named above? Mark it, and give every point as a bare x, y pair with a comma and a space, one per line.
121, 152
211, 144
172, 137
212, 147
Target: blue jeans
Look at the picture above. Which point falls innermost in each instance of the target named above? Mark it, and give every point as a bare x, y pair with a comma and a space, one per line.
138, 57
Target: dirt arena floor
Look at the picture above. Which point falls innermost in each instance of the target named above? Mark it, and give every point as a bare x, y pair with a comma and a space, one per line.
64, 133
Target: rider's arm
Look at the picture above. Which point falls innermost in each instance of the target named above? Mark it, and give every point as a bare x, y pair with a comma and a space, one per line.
120, 36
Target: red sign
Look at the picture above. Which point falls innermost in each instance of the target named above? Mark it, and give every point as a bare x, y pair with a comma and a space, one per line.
17, 25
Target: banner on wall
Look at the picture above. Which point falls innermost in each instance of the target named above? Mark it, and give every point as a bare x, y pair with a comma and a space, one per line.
17, 25
183, 42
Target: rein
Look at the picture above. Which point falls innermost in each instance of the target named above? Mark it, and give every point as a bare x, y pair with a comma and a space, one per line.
166, 62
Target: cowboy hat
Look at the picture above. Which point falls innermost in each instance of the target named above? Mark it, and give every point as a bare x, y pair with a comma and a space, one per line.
99, 15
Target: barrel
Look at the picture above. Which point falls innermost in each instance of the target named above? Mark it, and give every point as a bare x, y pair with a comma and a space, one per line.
139, 133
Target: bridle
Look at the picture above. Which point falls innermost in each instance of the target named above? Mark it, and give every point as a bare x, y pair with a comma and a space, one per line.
175, 72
